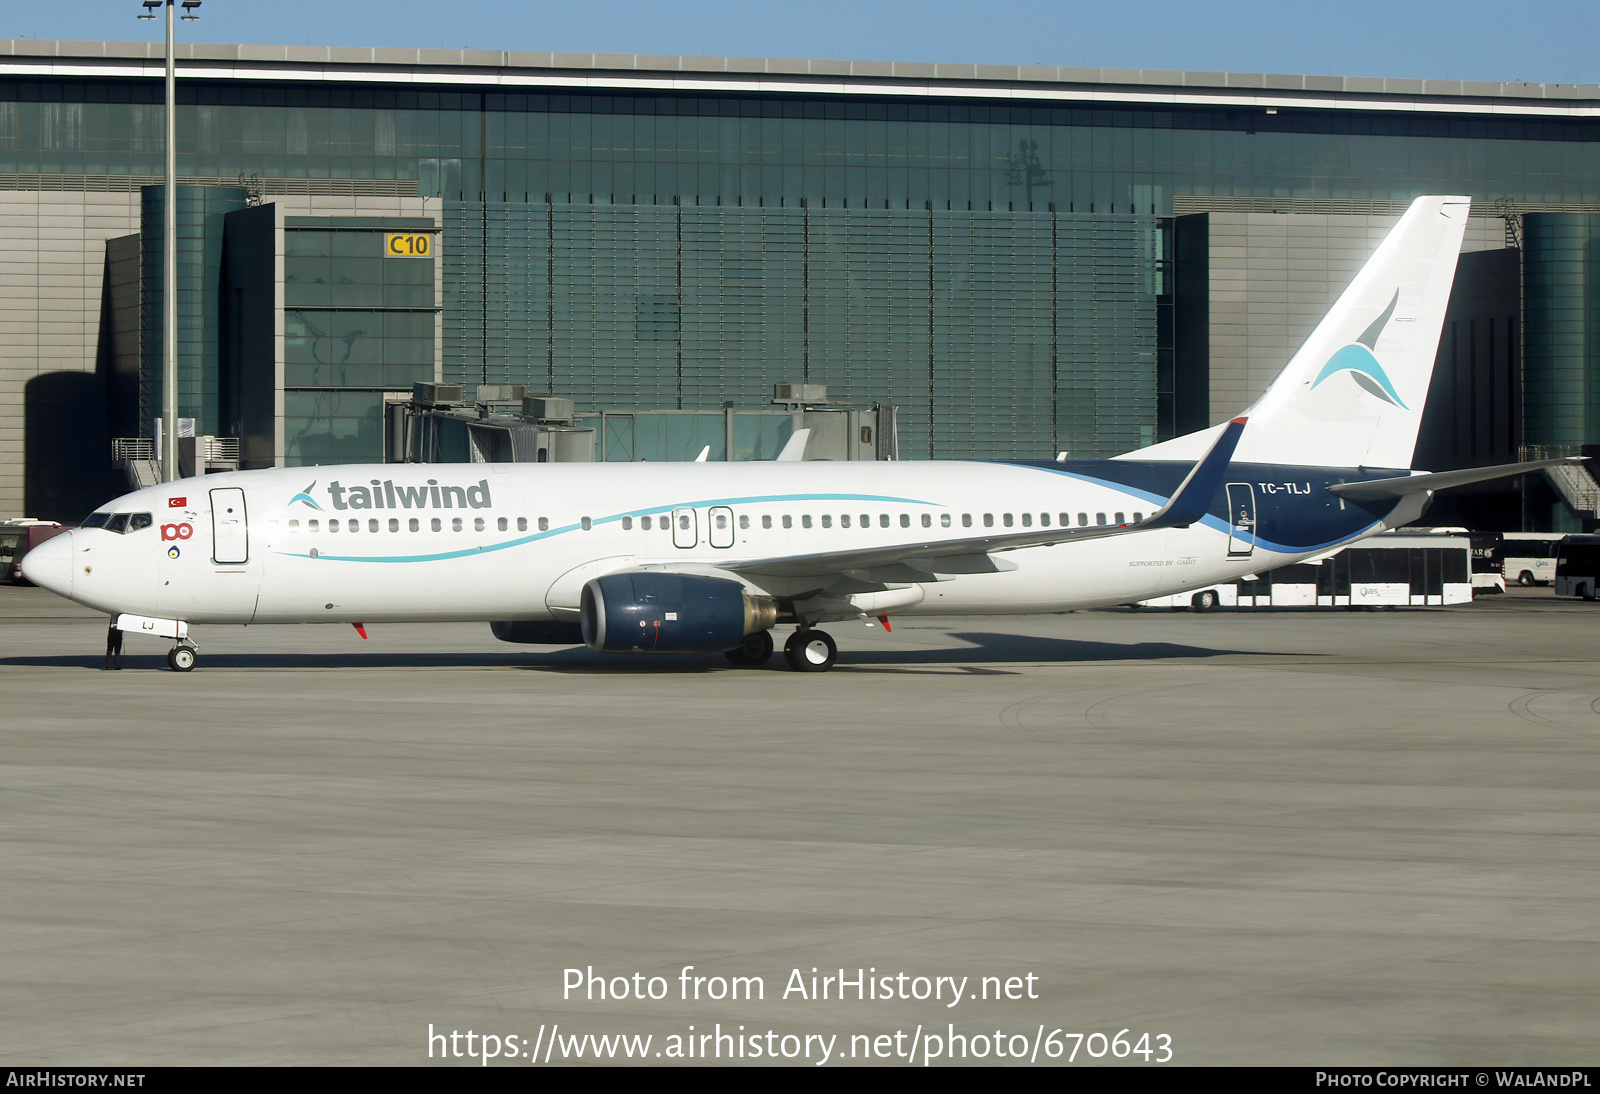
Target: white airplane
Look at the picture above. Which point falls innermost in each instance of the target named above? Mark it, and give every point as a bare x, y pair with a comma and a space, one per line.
710, 557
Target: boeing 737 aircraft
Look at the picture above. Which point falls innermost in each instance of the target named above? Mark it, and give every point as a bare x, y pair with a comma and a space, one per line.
710, 557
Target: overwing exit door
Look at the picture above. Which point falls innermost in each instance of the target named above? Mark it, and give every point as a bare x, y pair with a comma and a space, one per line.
1241, 519
685, 528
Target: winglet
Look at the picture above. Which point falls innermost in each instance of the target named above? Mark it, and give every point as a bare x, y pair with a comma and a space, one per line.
1193, 497
795, 449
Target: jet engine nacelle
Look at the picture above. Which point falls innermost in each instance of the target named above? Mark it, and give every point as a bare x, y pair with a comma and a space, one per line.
647, 611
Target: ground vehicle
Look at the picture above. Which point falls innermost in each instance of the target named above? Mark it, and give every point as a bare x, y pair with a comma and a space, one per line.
1488, 573
1529, 558
1578, 567
17, 538
1396, 569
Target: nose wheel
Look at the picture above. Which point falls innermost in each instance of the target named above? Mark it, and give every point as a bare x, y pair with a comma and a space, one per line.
810, 651
180, 658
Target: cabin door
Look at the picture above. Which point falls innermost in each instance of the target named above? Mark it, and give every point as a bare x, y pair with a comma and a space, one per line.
1241, 519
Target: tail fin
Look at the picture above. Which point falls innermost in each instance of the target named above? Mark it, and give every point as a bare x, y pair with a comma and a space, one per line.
1353, 395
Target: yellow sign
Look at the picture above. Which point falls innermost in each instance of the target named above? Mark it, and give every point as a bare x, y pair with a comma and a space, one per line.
407, 245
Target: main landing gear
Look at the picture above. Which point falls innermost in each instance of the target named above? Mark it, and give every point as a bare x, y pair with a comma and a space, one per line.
810, 651
756, 649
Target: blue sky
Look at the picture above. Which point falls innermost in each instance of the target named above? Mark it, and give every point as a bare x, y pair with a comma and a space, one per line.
1552, 41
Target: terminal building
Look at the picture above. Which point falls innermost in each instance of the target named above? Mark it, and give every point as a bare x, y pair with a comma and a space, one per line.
995, 261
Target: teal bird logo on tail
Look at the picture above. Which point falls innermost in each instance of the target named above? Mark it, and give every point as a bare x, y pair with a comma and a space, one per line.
1359, 361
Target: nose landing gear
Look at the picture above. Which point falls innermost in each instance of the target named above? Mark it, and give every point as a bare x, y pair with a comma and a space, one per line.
181, 658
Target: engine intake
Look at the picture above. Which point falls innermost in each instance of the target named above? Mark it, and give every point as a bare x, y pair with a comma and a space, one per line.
647, 611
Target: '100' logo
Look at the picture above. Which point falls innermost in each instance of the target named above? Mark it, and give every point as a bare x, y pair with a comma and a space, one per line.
176, 531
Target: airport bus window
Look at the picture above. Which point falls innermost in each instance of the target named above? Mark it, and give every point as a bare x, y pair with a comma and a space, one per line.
503, 524
118, 524
294, 526
544, 524
437, 524
586, 523
415, 525
1099, 518
788, 521
744, 521
644, 522
627, 524
1122, 518
372, 524
477, 524
1083, 520
394, 524
988, 520
1006, 520
966, 520
827, 521
805, 521
844, 521
944, 520
1044, 520
313, 526
455, 524
766, 521
522, 524
1027, 520
142, 520
95, 520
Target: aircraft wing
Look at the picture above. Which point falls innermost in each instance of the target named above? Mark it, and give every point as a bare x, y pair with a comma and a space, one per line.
971, 554
1401, 485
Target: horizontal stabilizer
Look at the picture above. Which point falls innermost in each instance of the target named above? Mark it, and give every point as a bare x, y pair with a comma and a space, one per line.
1402, 485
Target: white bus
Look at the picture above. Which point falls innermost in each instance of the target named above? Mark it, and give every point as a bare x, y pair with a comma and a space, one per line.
1396, 569
1529, 558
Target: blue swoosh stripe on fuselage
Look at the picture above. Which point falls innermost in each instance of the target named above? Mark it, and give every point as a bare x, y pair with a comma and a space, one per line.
648, 511
1285, 523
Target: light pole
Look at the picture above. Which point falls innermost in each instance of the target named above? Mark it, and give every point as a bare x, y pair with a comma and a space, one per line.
169, 250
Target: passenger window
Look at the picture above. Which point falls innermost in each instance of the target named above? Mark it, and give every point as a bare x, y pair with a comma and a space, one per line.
1006, 520
927, 520
437, 524
522, 524
294, 526
1066, 520
805, 521
966, 520
722, 522
627, 524
372, 525
766, 521
1099, 518
394, 524
683, 522
1027, 520
142, 520
314, 526
988, 520
827, 521
905, 520
586, 523
333, 525
1044, 520
944, 520
415, 525
1083, 520
1137, 516
504, 525
477, 524
744, 521
788, 521
644, 523
455, 524
883, 520
544, 524
844, 521
866, 520
1122, 518
118, 524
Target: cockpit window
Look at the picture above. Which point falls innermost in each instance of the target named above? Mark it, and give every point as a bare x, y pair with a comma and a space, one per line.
118, 524
95, 520
138, 521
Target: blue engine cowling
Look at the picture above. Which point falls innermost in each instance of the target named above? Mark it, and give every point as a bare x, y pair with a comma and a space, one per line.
647, 611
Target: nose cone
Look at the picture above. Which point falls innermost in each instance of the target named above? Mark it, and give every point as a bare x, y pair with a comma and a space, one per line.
49, 565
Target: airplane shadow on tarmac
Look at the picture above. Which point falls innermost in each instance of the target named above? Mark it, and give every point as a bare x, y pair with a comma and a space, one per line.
985, 649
